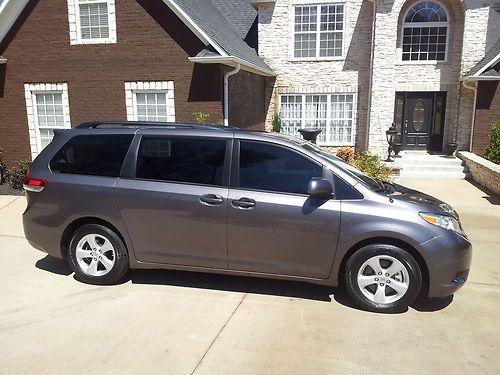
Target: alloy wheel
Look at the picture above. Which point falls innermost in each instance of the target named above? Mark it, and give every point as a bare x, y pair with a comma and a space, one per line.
95, 255
383, 279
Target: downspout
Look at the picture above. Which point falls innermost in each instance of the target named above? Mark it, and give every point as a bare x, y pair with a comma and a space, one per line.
473, 88
370, 81
226, 92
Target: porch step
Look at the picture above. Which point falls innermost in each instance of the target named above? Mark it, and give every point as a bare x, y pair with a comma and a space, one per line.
433, 175
426, 166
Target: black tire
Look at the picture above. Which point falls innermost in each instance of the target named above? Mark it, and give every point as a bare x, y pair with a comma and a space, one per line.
120, 256
358, 259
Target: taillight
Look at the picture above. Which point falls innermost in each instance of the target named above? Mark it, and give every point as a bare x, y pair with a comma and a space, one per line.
33, 184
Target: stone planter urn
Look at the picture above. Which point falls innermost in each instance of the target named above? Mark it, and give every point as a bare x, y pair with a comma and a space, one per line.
310, 134
452, 147
397, 148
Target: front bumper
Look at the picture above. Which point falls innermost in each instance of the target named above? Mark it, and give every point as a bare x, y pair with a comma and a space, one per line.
448, 259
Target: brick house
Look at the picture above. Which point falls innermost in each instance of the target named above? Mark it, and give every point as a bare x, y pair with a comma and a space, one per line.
485, 77
354, 67
67, 61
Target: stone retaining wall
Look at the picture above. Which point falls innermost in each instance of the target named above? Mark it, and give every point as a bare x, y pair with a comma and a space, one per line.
483, 171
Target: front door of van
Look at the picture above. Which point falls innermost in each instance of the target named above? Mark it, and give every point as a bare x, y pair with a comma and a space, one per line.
274, 227
174, 208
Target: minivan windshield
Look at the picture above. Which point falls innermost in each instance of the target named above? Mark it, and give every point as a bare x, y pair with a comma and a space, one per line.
349, 169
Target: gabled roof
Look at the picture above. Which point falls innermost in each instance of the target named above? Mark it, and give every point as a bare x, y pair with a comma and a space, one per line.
220, 24
487, 68
240, 13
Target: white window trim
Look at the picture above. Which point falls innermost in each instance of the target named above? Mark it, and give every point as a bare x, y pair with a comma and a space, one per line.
405, 24
132, 88
30, 91
75, 29
328, 108
291, 22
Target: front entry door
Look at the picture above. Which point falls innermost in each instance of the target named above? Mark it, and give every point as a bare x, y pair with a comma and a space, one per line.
419, 120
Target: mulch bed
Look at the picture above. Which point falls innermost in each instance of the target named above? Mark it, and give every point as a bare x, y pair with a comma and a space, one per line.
5, 189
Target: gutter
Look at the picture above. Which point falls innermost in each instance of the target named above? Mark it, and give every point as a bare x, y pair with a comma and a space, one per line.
233, 61
370, 82
473, 88
226, 93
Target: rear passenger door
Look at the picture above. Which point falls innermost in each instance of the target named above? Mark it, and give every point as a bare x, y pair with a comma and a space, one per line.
173, 203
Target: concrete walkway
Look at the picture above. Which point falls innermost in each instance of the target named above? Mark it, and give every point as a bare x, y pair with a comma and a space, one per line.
179, 323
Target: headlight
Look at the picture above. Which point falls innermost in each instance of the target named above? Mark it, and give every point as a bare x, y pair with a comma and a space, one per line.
446, 222
448, 209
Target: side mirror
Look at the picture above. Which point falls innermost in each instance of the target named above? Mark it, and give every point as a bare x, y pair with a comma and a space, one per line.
320, 188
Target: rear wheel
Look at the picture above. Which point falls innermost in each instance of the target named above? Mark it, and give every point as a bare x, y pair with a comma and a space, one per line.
383, 278
97, 255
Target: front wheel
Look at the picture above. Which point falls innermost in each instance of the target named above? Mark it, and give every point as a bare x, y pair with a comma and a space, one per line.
97, 255
383, 278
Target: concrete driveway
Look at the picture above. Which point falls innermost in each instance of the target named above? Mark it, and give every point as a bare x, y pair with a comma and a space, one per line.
177, 323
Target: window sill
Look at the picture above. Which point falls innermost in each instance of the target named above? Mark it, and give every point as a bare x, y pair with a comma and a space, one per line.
315, 59
93, 41
415, 62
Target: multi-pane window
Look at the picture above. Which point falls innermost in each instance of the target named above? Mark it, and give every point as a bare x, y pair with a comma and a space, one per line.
318, 31
49, 116
332, 113
425, 33
151, 106
94, 19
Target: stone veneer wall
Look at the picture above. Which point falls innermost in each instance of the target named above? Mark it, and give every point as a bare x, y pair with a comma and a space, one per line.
467, 32
470, 31
347, 74
482, 171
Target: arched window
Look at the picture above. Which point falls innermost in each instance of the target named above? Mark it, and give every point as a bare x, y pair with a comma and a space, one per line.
425, 32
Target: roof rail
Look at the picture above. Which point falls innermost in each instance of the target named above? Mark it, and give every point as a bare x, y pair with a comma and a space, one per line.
150, 124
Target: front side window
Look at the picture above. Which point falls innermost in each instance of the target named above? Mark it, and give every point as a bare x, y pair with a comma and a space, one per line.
318, 31
92, 21
184, 160
48, 109
425, 33
332, 113
93, 155
150, 101
274, 168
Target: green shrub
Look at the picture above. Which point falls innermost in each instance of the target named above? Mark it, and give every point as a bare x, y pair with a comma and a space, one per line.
346, 154
371, 165
492, 152
277, 123
16, 174
201, 117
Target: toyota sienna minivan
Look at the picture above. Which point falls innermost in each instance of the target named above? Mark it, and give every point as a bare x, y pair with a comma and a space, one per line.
111, 196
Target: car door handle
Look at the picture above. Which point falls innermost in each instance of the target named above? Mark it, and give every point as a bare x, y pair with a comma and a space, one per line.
243, 203
211, 200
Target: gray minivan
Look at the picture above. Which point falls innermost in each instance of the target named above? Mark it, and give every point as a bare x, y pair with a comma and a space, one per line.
110, 196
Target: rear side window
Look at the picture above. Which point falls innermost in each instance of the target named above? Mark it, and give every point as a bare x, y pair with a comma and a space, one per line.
96, 155
274, 168
188, 160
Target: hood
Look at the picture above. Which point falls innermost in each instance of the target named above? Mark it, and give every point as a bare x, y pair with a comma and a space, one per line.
433, 205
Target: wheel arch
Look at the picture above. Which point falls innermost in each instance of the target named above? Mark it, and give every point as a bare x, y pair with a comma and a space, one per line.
74, 225
387, 241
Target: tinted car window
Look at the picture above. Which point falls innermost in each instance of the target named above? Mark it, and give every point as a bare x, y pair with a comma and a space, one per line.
96, 155
274, 168
197, 161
